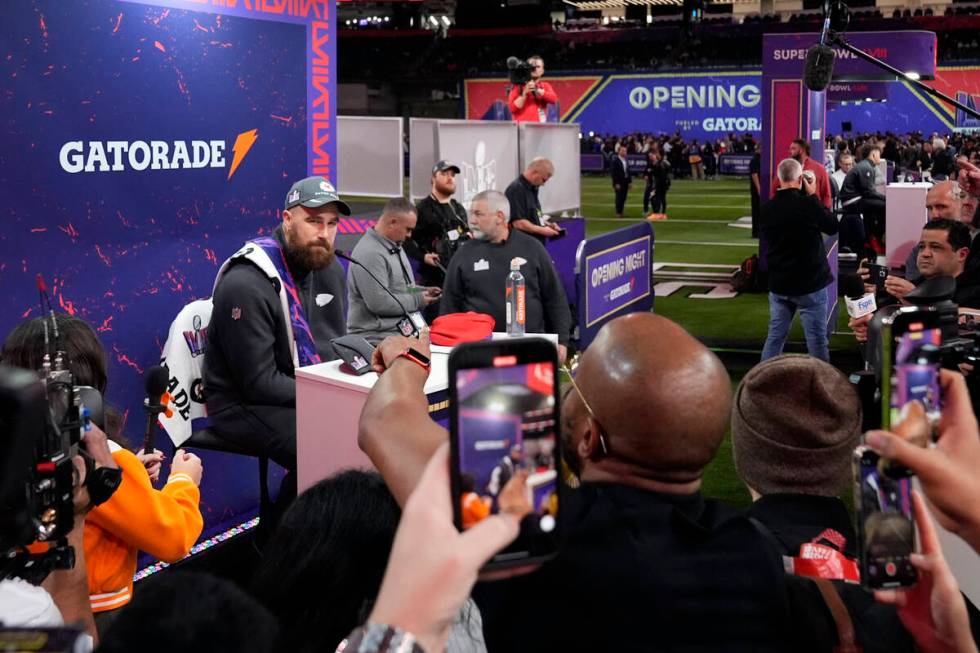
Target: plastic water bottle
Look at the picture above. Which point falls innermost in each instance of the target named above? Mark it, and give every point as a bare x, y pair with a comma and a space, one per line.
516, 314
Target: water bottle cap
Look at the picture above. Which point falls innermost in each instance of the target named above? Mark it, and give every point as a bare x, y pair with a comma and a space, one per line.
516, 263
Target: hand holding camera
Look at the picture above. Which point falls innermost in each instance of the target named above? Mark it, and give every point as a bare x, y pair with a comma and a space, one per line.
809, 182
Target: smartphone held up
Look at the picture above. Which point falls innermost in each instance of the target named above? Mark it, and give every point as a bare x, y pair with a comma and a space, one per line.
505, 444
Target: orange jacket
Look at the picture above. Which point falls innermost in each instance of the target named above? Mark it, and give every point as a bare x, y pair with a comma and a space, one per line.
475, 509
164, 523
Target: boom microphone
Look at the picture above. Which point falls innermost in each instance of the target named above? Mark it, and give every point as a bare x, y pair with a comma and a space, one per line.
155, 380
820, 57
407, 327
819, 67
513, 62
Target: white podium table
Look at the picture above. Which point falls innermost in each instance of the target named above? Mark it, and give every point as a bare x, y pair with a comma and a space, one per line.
328, 408
905, 213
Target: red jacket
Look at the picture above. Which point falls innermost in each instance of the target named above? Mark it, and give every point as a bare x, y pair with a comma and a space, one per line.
535, 108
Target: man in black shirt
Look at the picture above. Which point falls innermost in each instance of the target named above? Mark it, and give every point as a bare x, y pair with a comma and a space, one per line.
525, 207
253, 346
619, 169
441, 227
798, 271
658, 181
477, 277
858, 198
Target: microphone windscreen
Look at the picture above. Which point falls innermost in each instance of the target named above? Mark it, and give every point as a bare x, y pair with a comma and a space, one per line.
155, 380
819, 67
850, 285
512, 62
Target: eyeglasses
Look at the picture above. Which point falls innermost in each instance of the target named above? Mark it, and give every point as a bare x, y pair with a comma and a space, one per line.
588, 408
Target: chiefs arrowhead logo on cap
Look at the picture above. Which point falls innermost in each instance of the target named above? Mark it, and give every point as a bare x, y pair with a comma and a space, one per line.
325, 186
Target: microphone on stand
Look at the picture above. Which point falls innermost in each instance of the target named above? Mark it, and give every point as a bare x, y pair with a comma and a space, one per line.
155, 380
408, 326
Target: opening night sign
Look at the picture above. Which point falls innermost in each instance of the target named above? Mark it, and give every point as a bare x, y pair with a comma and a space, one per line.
616, 277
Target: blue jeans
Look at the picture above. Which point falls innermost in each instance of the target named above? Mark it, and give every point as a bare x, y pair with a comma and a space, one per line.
813, 314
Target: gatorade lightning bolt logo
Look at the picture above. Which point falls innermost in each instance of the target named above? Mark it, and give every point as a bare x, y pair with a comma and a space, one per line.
243, 143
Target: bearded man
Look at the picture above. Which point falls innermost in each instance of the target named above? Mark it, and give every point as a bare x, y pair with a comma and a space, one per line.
277, 303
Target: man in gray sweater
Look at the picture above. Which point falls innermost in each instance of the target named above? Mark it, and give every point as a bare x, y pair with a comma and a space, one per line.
374, 313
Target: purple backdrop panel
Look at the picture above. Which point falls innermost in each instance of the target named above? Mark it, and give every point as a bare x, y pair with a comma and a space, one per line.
909, 51
700, 105
734, 164
485, 438
143, 145
562, 252
861, 91
614, 272
592, 163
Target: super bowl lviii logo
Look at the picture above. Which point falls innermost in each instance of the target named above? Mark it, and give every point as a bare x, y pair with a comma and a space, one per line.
480, 175
118, 156
197, 337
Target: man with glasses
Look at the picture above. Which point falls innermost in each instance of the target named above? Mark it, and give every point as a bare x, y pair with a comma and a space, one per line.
529, 103
647, 562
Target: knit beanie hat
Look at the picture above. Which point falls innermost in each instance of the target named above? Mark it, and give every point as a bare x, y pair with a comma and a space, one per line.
795, 423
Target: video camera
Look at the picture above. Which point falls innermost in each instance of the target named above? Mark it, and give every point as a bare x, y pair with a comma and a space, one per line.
519, 71
43, 416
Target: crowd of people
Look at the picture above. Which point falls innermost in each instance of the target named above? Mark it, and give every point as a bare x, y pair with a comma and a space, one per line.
686, 158
369, 561
719, 40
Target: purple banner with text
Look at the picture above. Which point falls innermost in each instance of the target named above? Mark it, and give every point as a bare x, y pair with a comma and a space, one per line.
614, 277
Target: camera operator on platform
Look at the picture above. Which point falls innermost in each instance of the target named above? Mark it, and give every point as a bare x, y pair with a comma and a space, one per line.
529, 102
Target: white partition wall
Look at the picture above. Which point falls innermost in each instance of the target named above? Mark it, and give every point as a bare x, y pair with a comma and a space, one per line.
560, 143
485, 151
422, 149
370, 155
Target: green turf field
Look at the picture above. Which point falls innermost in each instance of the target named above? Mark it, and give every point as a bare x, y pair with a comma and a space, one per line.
697, 231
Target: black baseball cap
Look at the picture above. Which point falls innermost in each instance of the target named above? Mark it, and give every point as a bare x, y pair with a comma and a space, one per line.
314, 192
443, 165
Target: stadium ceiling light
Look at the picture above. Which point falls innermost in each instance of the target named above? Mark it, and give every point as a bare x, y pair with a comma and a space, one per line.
912, 75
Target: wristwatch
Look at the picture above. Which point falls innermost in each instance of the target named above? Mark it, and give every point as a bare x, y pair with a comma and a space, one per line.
379, 638
417, 357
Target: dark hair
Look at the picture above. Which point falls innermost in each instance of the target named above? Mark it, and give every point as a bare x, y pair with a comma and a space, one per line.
398, 205
802, 143
190, 613
957, 233
323, 567
865, 150
24, 348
